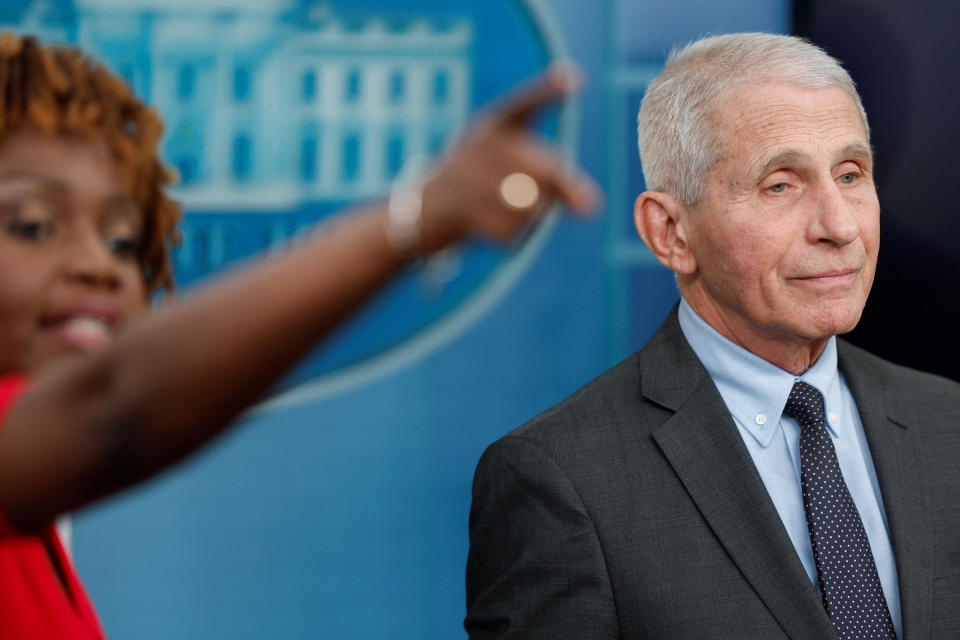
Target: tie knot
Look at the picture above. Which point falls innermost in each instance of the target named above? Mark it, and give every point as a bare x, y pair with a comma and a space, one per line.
805, 404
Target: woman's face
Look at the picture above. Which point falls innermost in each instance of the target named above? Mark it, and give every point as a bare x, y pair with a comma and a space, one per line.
70, 236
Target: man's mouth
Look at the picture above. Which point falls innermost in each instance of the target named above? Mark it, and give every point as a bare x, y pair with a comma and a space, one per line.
834, 275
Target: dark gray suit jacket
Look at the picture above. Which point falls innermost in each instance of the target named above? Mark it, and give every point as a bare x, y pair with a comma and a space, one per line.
633, 510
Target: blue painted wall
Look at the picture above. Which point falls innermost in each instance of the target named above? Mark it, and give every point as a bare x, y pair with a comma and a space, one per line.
345, 515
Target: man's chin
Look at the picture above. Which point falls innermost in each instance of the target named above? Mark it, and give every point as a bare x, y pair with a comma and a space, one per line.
838, 319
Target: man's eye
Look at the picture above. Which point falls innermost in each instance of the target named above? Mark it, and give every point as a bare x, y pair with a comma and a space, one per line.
780, 187
125, 248
848, 178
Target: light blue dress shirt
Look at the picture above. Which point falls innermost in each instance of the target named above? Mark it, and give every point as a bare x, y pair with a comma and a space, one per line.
756, 391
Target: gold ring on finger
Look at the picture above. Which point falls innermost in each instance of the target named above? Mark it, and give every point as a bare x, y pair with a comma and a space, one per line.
519, 191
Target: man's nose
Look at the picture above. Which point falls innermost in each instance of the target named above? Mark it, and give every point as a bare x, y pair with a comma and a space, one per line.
90, 261
836, 220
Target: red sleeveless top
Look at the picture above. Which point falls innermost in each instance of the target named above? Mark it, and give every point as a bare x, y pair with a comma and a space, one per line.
34, 603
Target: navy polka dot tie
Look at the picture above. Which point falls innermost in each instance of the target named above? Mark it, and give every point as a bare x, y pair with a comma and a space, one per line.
849, 584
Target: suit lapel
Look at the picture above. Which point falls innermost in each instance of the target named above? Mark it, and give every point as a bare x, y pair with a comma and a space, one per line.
703, 446
890, 426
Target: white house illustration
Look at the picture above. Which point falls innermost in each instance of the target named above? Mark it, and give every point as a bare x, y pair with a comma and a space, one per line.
275, 106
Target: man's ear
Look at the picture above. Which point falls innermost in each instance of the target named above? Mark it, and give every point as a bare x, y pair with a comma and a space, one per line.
661, 221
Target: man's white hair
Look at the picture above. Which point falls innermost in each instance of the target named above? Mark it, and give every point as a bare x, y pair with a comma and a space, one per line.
678, 137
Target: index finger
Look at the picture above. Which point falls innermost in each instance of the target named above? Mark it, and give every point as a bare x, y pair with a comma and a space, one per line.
561, 79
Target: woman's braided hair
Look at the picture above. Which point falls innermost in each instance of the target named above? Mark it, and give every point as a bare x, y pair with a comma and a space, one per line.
61, 90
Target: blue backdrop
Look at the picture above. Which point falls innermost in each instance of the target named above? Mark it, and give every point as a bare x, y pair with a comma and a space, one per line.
340, 510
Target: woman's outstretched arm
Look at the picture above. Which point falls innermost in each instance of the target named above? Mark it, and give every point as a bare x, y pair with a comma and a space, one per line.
94, 424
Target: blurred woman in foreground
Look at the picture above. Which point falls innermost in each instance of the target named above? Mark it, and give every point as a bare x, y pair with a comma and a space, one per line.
96, 395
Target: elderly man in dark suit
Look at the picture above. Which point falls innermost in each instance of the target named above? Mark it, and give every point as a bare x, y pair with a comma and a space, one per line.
746, 474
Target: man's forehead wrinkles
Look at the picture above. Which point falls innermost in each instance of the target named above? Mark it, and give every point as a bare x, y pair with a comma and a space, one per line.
759, 111
795, 122
764, 118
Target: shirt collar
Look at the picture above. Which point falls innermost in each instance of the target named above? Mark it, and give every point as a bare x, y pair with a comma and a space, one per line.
754, 390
